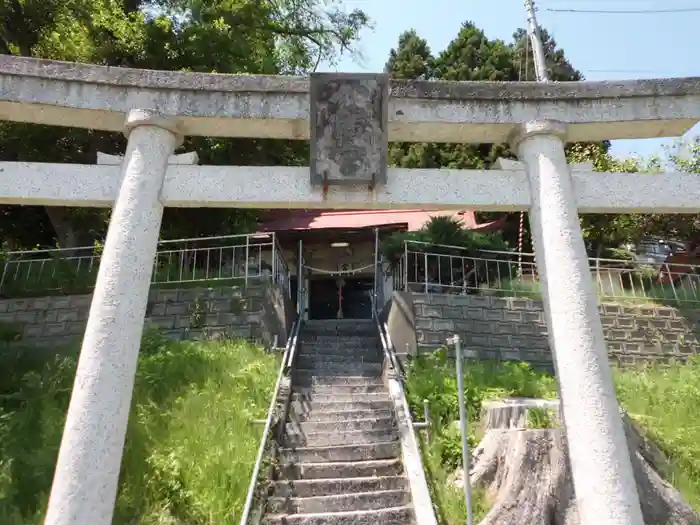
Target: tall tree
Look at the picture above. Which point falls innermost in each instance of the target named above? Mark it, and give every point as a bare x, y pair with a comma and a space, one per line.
224, 36
412, 58
558, 66
472, 56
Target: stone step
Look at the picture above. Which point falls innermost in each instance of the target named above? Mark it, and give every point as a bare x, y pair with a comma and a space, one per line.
338, 390
305, 407
335, 341
360, 333
351, 330
344, 326
309, 395
309, 488
350, 415
353, 469
333, 358
340, 369
394, 516
311, 380
373, 423
348, 437
340, 347
334, 335
344, 453
380, 499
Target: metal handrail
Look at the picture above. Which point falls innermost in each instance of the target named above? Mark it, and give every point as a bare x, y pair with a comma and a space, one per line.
387, 345
284, 369
293, 346
390, 353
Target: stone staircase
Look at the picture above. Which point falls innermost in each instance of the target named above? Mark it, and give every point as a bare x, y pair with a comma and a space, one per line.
341, 459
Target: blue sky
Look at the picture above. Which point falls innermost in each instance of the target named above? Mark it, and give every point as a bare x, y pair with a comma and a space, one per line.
601, 46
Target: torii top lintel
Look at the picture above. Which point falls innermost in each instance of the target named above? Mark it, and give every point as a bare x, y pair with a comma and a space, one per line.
98, 97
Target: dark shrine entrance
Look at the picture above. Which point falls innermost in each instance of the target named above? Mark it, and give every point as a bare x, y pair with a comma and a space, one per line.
357, 298
323, 298
352, 301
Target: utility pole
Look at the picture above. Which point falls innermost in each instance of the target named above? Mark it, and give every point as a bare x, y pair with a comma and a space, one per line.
536, 40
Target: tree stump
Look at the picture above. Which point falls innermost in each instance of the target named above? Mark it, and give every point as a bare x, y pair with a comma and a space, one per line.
527, 477
513, 412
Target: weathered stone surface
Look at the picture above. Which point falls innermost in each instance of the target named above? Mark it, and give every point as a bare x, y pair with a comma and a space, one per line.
393, 516
336, 470
527, 476
319, 424
340, 437
349, 137
322, 487
341, 502
371, 407
342, 415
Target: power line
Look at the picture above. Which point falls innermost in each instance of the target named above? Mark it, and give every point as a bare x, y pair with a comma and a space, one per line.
627, 11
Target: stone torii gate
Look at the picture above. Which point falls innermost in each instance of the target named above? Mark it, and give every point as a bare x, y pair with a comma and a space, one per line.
155, 109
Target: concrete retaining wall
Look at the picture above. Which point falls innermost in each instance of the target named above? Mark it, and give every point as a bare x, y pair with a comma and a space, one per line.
515, 329
258, 313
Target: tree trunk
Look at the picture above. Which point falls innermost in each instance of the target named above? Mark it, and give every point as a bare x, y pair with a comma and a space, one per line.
526, 473
65, 234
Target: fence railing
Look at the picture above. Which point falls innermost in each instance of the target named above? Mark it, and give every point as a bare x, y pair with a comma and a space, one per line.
235, 259
443, 269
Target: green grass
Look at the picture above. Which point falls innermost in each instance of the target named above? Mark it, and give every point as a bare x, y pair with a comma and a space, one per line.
664, 400
448, 500
432, 377
191, 441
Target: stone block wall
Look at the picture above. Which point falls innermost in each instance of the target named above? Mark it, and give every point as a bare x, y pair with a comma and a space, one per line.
259, 313
515, 328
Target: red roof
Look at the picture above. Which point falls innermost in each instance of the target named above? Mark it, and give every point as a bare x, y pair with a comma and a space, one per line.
289, 220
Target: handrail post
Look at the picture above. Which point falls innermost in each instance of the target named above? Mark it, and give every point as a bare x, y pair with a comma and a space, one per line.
300, 278
247, 255
463, 425
275, 278
405, 266
425, 270
4, 272
673, 286
376, 263
426, 416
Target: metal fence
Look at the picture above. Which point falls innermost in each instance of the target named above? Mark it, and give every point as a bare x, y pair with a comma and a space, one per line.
444, 269
234, 259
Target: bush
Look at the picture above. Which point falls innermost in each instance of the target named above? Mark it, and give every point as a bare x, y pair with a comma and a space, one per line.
662, 399
432, 376
191, 440
438, 233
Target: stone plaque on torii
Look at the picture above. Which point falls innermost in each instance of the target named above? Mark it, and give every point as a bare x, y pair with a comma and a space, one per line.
348, 121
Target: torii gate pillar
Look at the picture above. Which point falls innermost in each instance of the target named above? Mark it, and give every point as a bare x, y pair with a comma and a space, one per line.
603, 479
87, 472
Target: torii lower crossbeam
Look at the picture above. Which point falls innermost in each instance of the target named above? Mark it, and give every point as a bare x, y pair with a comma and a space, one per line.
289, 187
